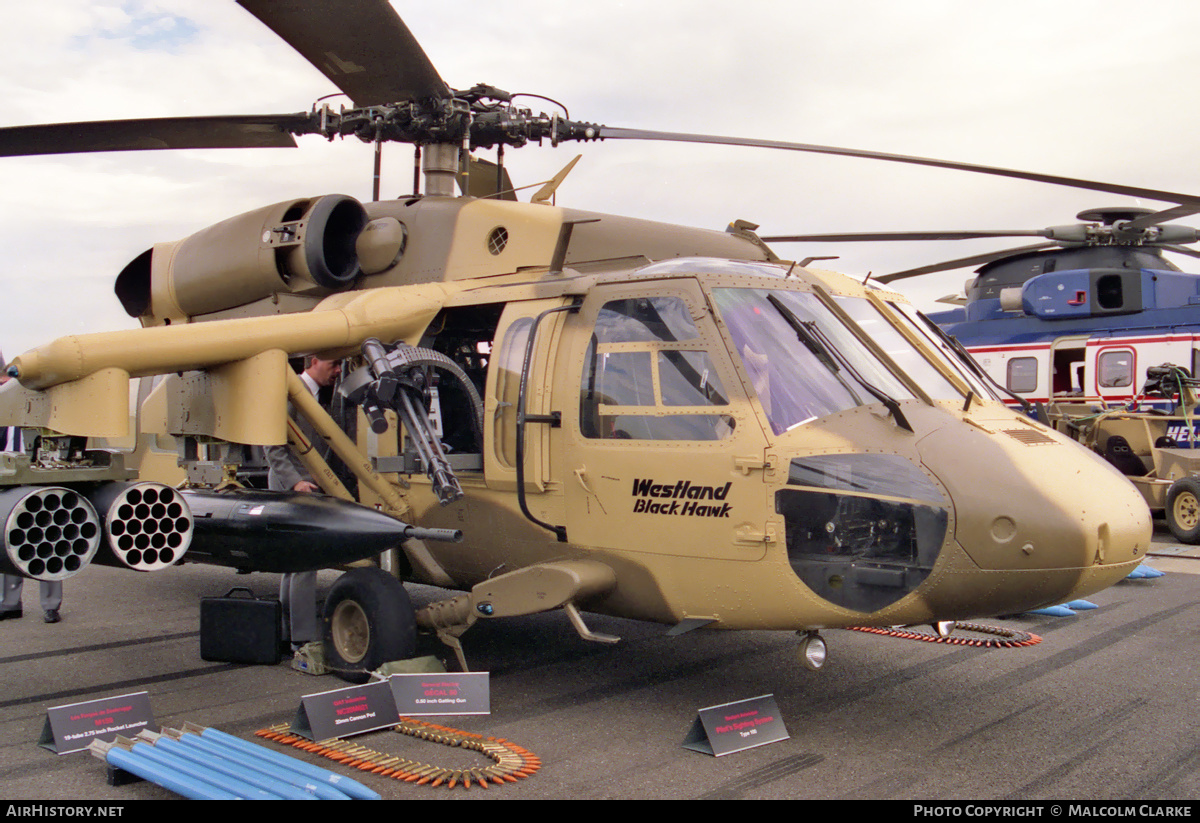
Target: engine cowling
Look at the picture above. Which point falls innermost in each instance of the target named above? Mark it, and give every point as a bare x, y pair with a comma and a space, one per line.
303, 247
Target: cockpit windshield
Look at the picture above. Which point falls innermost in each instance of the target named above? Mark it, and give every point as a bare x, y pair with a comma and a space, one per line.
805, 362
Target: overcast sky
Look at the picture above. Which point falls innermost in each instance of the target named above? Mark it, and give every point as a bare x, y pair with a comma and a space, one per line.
1098, 89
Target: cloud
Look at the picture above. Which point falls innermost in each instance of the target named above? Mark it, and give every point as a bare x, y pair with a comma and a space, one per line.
1077, 88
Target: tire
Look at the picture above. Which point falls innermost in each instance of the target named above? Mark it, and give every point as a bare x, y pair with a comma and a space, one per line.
368, 622
1183, 510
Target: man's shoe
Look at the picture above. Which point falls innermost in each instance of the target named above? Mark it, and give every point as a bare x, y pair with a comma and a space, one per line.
51, 616
10, 614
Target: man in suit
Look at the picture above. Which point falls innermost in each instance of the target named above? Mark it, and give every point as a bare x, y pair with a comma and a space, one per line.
298, 592
11, 584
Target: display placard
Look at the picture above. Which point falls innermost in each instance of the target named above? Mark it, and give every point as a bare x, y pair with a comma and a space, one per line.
345, 712
442, 693
734, 727
72, 728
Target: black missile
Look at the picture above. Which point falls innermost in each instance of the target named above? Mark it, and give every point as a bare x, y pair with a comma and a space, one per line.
282, 532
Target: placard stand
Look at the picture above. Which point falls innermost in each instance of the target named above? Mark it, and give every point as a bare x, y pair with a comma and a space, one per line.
735, 727
73, 727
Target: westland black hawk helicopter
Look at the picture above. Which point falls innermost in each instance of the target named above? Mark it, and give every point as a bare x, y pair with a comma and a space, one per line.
614, 415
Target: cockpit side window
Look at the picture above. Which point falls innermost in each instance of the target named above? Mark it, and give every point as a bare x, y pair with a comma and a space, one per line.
649, 376
902, 352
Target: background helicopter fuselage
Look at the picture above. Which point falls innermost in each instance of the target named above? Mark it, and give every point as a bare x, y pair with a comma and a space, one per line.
1083, 332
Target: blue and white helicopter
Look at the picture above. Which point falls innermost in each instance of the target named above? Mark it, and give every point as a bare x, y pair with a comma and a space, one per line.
1094, 326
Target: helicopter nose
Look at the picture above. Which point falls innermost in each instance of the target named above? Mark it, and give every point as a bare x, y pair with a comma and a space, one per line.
1028, 500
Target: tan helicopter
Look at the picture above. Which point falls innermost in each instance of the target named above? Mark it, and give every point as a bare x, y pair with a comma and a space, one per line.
583, 412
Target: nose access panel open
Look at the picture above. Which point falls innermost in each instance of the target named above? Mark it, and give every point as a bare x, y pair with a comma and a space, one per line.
850, 539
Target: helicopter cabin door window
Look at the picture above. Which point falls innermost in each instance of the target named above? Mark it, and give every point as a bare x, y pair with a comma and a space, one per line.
649, 462
648, 376
503, 391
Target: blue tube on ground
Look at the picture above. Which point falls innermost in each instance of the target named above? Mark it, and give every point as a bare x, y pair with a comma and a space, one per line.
346, 784
240, 788
1054, 611
282, 789
165, 777
322, 790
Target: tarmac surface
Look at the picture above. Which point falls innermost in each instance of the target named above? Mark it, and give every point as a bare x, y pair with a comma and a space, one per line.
1102, 709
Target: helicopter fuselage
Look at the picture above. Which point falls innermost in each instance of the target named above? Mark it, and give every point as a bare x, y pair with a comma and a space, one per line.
734, 443
730, 473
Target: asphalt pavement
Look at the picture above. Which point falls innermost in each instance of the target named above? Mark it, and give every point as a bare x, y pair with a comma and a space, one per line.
1102, 708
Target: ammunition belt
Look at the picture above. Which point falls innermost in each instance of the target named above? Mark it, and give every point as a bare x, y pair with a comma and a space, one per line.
1007, 638
512, 762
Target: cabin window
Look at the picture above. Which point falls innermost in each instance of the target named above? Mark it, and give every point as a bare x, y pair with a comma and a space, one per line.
648, 377
1022, 374
1115, 369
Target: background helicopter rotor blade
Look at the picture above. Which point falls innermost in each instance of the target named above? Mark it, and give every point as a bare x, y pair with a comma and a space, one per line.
1182, 250
361, 45
902, 235
610, 133
962, 262
1164, 216
220, 132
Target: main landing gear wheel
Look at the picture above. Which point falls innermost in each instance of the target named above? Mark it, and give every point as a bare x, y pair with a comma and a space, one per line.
1183, 510
368, 622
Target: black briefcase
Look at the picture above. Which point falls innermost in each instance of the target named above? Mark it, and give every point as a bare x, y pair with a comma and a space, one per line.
241, 629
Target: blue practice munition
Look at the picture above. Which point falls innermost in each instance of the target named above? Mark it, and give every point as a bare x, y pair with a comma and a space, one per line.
321, 789
346, 784
156, 773
1054, 611
240, 788
282, 788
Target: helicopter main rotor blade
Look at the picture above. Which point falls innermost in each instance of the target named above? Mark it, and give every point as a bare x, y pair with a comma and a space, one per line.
962, 262
220, 132
1148, 220
1182, 250
902, 235
609, 133
361, 45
